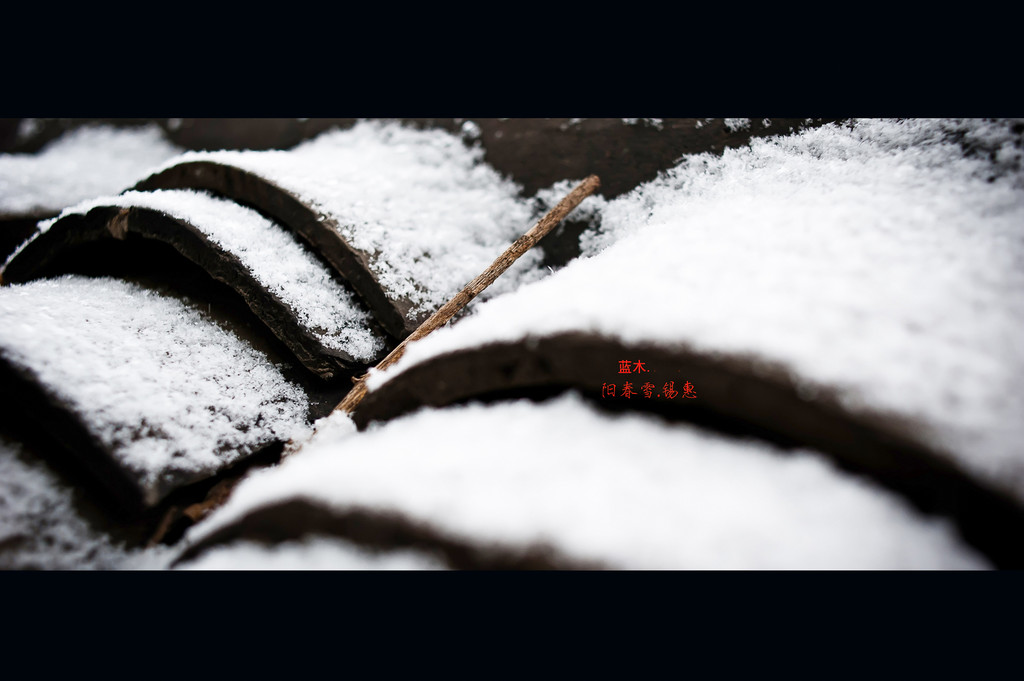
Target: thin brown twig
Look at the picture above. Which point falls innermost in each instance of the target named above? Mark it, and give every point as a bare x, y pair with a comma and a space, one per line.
473, 289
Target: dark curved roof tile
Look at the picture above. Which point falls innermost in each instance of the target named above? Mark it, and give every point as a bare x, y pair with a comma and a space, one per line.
298, 297
149, 392
407, 216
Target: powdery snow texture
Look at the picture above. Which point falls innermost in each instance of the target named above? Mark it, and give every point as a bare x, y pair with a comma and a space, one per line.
169, 394
40, 528
83, 163
274, 257
424, 207
877, 259
627, 491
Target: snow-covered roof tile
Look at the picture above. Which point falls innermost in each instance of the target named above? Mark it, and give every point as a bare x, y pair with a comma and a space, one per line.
408, 216
295, 294
43, 527
83, 163
564, 485
149, 391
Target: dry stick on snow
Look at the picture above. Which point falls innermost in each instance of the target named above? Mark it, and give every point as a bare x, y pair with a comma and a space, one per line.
473, 289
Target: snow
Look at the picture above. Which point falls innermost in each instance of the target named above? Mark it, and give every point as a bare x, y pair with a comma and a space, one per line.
312, 553
471, 131
651, 122
165, 390
428, 210
882, 259
27, 128
627, 491
735, 124
41, 529
81, 164
274, 257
